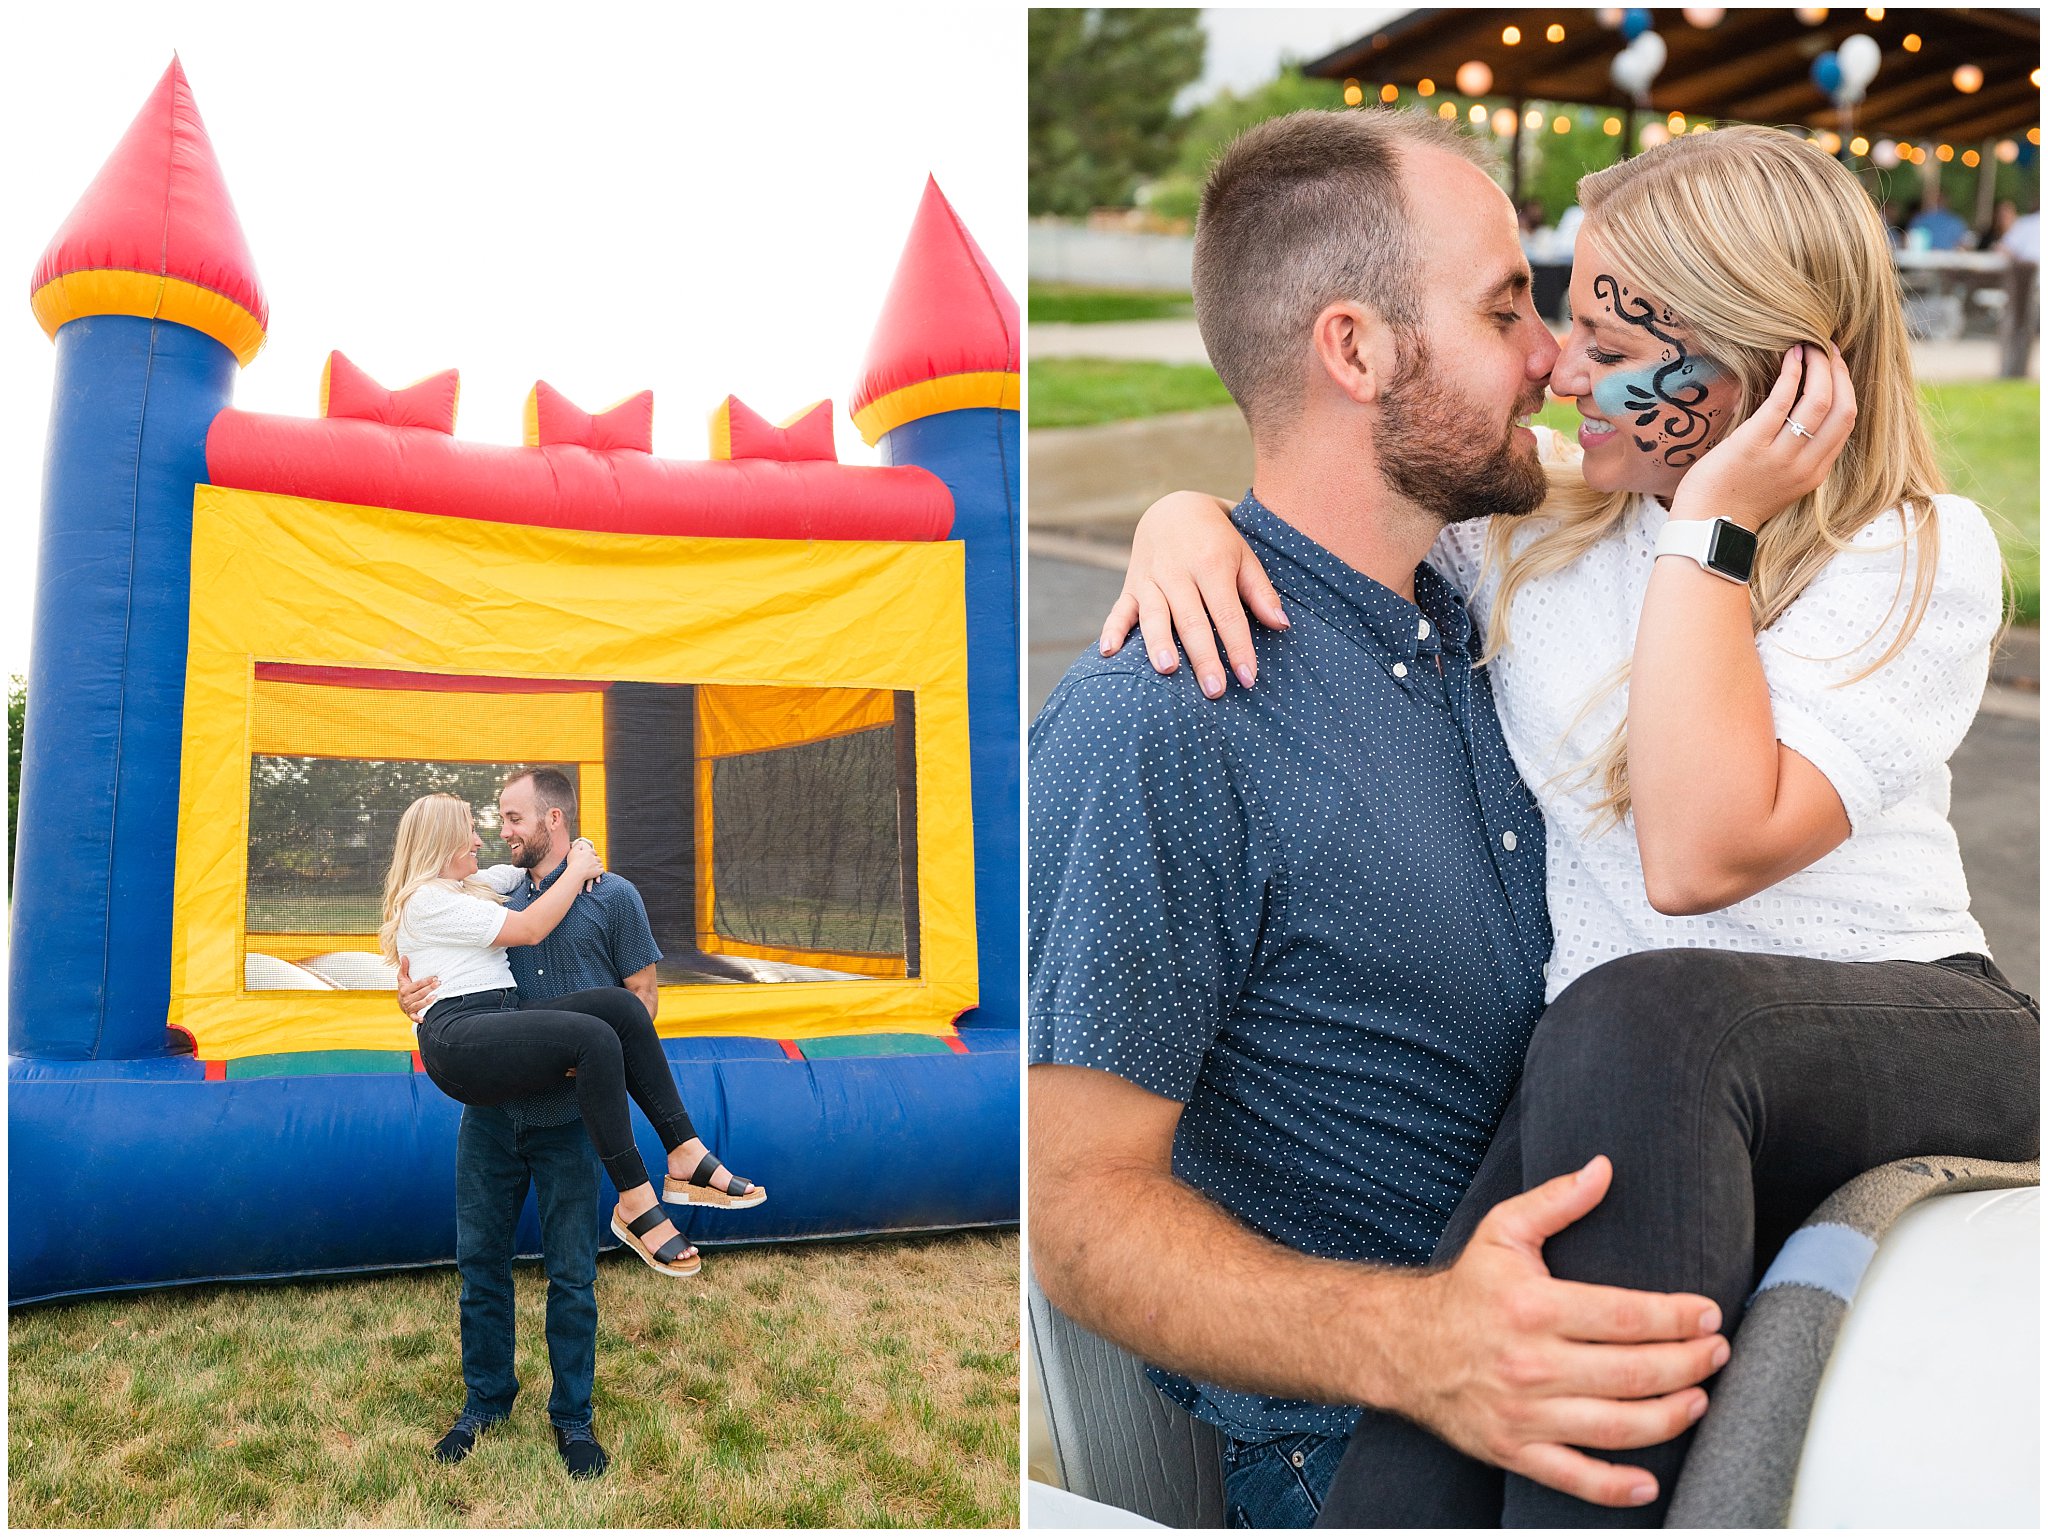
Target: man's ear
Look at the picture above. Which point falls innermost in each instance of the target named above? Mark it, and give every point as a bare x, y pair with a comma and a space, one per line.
1355, 349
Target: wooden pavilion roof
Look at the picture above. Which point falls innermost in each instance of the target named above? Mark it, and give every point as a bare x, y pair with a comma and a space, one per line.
1754, 66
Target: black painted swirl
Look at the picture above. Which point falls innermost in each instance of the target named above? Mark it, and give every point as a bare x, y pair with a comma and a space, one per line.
1685, 427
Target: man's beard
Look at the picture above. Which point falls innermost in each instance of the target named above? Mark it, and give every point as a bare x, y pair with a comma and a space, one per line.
530, 854
1445, 455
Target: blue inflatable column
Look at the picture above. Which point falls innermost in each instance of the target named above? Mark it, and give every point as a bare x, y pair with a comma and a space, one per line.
939, 389
151, 297
89, 959
975, 453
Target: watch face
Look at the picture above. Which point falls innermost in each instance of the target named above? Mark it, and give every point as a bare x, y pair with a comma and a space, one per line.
1733, 549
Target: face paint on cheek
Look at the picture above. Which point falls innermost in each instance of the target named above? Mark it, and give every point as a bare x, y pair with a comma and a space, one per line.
1619, 396
1664, 397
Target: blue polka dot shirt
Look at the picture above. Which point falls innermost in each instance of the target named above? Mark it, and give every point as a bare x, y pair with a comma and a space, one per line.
1311, 912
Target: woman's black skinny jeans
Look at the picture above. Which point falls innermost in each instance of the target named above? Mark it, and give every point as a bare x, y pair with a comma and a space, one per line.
483, 1049
1734, 1093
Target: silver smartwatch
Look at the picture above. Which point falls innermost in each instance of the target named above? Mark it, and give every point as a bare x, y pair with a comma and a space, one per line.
1724, 548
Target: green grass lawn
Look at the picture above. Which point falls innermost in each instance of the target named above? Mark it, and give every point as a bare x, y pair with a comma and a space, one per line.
1076, 304
1080, 392
1987, 433
1989, 437
829, 1384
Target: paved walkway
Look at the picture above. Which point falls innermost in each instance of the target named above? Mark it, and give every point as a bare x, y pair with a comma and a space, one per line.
1178, 341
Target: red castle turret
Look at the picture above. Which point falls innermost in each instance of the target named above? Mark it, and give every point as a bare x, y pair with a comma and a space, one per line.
155, 235
947, 339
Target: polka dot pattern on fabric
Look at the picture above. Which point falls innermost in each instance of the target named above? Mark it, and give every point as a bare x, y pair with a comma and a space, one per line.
1310, 912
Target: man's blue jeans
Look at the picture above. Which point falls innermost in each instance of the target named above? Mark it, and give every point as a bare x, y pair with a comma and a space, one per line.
1279, 1483
494, 1163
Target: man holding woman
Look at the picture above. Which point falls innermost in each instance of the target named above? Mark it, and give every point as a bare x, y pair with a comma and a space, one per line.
604, 941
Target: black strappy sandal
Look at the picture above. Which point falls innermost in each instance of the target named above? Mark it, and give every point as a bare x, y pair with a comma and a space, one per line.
669, 1258
698, 1190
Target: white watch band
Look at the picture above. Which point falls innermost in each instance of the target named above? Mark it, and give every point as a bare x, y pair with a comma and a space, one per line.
1693, 538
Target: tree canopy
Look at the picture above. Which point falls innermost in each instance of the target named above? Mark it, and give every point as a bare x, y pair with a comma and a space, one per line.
1102, 118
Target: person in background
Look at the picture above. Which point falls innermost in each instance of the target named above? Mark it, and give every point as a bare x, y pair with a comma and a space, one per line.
2020, 242
1936, 227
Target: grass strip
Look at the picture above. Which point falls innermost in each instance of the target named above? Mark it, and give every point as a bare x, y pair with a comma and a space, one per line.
1078, 304
1081, 392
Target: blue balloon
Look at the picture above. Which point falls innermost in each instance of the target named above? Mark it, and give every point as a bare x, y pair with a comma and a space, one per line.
1635, 21
1827, 72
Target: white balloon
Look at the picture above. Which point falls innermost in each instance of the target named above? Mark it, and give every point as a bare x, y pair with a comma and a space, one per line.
1628, 73
1637, 64
1859, 57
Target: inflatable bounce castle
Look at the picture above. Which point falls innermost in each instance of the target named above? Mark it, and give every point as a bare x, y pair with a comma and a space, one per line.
784, 688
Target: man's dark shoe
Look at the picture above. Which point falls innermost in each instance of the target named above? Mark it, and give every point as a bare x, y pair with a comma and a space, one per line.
461, 1438
579, 1449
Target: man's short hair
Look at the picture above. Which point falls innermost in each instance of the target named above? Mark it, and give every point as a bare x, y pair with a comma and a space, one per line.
1298, 212
551, 787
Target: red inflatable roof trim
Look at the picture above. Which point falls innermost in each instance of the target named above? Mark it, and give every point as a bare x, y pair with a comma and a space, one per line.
346, 391
562, 485
160, 205
947, 312
552, 417
746, 434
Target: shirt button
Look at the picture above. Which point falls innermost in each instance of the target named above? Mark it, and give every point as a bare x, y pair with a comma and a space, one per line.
1422, 629
1296, 1458
1507, 841
1400, 669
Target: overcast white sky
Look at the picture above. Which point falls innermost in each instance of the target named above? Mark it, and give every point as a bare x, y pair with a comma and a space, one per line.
1247, 44
691, 198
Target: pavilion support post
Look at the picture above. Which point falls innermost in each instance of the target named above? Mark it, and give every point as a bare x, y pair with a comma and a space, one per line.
1515, 159
1987, 183
1628, 133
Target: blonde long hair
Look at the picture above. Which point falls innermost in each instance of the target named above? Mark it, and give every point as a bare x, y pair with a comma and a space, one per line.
1757, 242
434, 829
